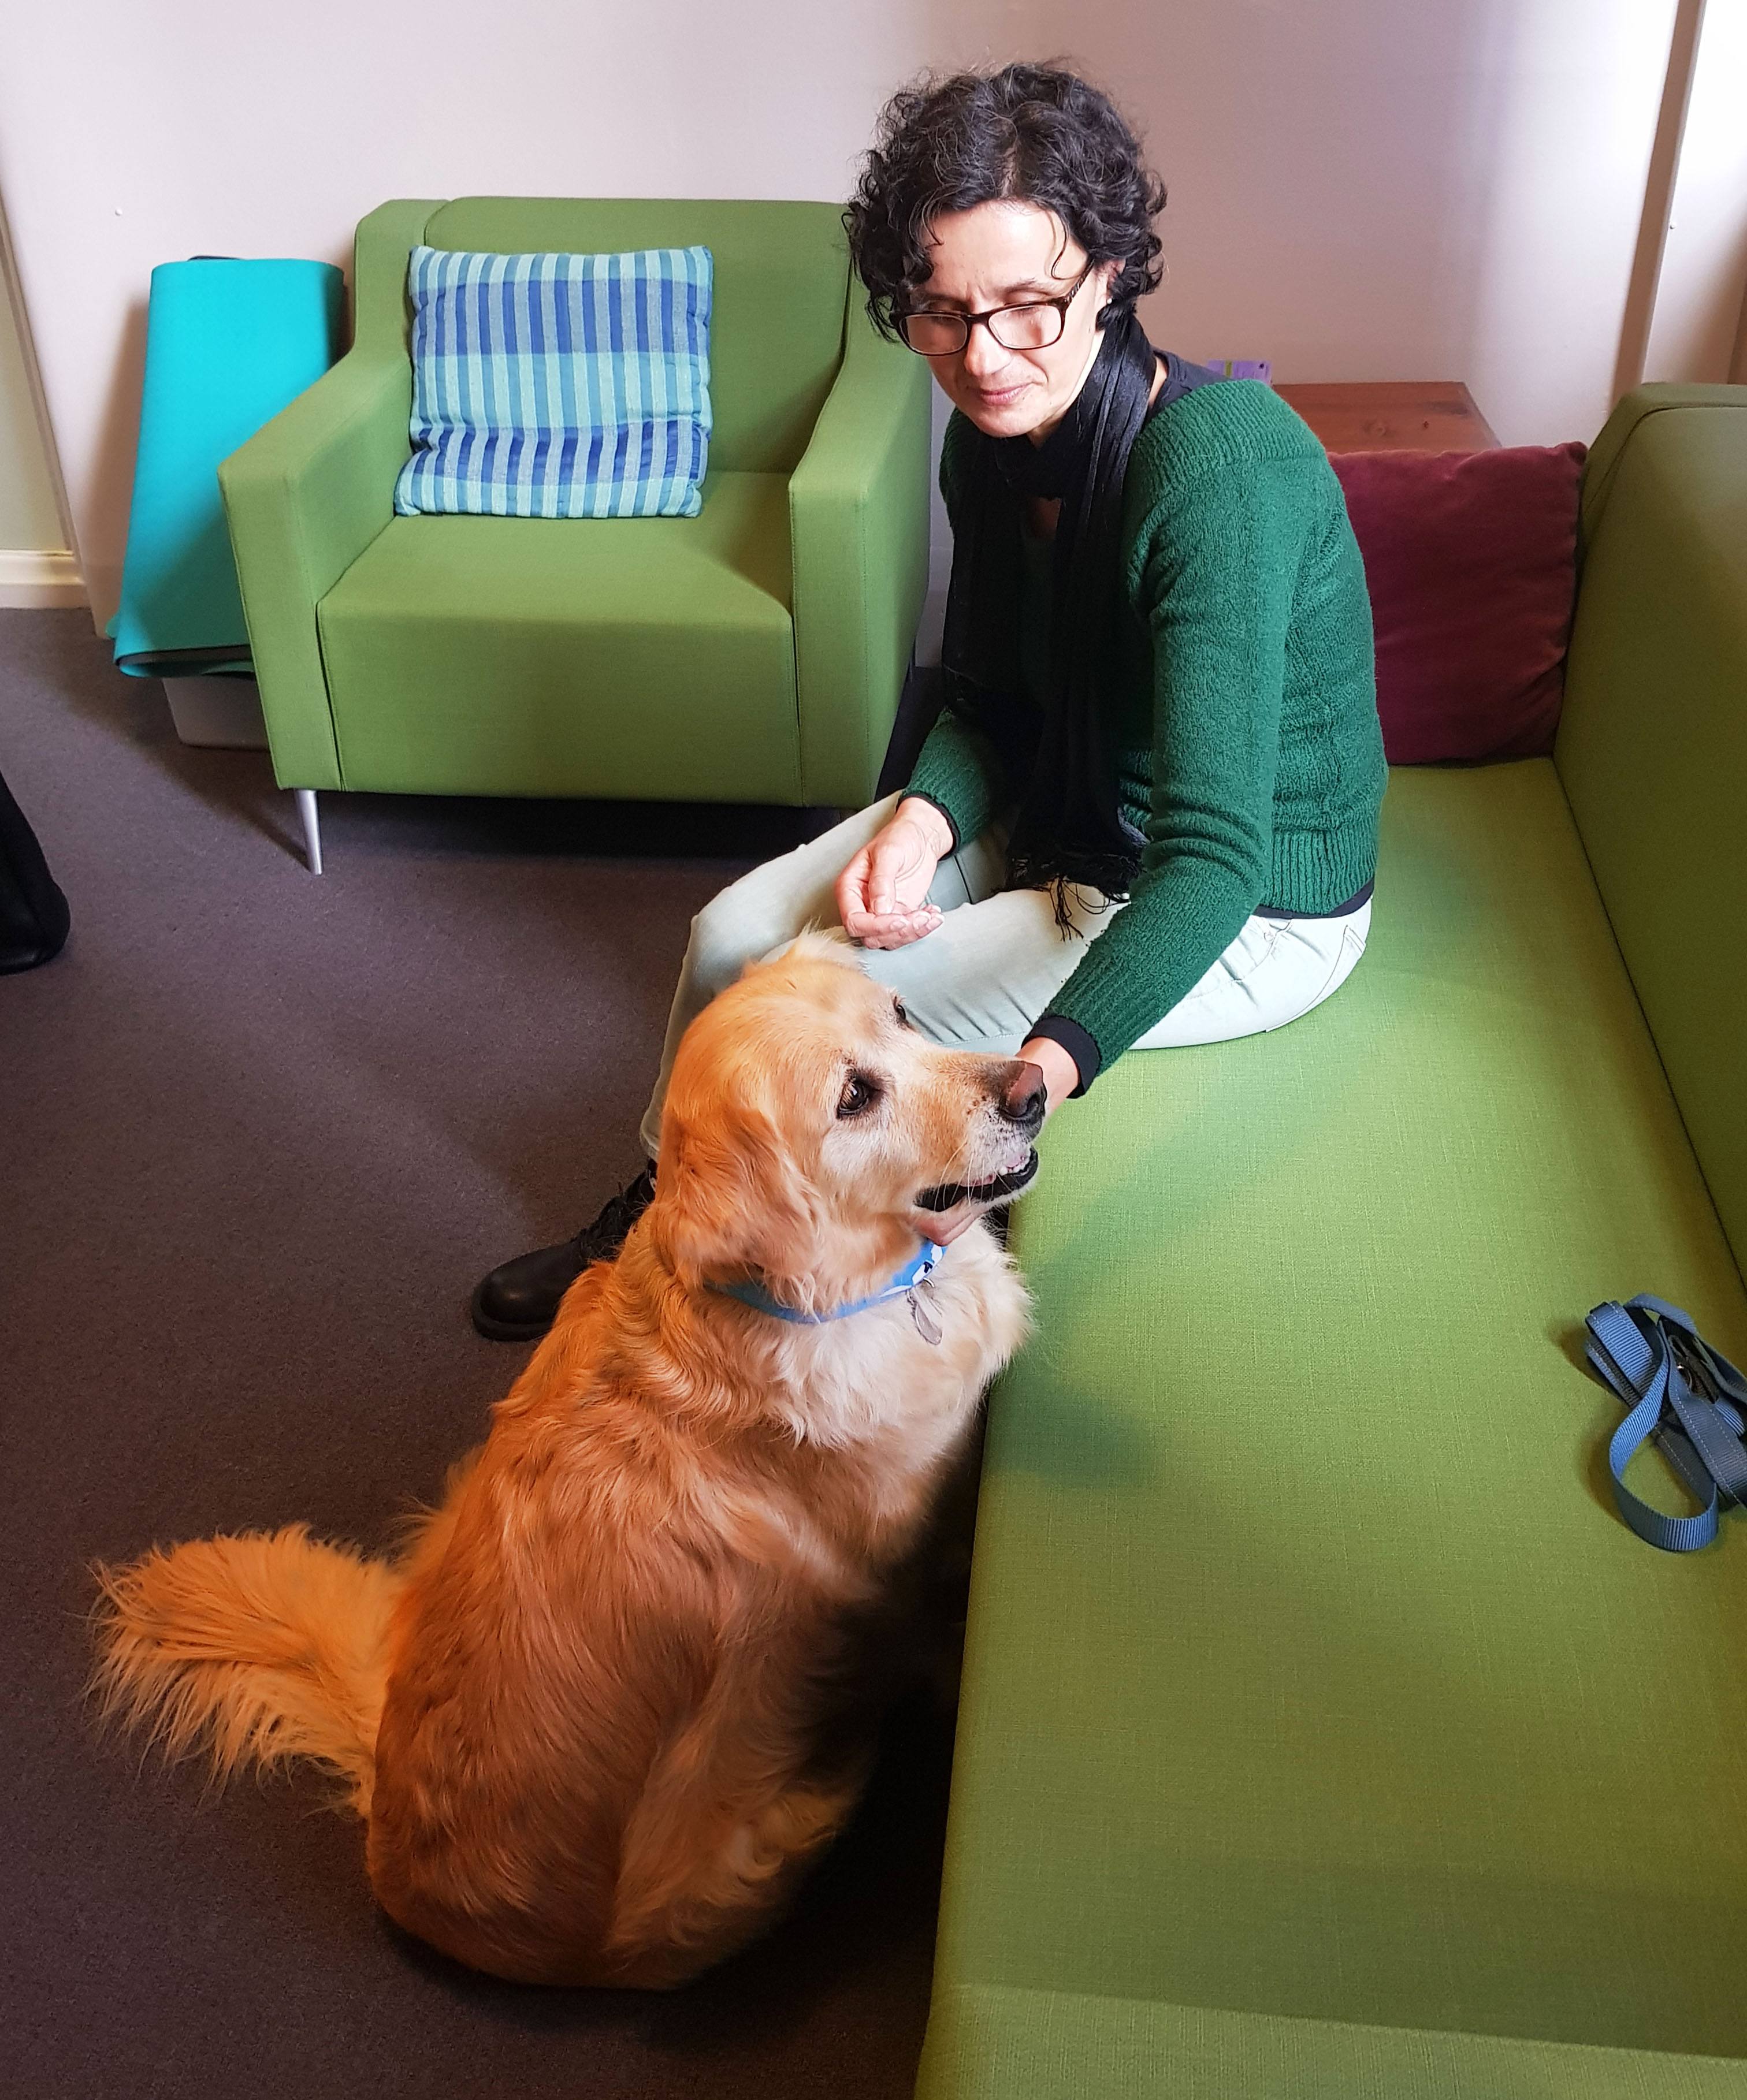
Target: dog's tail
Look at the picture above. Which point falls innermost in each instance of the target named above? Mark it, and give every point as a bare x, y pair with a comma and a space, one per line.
260, 1649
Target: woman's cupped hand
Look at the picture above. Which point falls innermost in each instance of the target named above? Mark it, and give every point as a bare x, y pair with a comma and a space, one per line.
882, 895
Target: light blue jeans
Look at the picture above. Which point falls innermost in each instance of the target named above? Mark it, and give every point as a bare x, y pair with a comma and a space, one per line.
997, 957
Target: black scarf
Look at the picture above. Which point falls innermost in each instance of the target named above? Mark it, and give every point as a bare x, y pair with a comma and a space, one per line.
1069, 829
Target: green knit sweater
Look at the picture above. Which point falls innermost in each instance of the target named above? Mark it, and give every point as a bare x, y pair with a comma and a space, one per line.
1239, 692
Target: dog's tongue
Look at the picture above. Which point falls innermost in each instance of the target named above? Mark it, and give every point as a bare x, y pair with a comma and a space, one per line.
950, 1192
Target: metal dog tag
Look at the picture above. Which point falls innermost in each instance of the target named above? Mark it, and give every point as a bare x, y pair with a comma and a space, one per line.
928, 1326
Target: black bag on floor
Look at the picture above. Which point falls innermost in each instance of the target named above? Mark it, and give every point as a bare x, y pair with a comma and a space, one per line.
33, 915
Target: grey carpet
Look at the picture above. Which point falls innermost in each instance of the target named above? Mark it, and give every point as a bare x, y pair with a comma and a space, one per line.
260, 1132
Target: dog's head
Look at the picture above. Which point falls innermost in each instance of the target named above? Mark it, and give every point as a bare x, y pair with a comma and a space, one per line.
810, 1136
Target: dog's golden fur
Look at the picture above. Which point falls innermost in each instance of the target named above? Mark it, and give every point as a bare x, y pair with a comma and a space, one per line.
601, 1711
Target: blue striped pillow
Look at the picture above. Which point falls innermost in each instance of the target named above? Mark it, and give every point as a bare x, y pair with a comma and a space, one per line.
559, 385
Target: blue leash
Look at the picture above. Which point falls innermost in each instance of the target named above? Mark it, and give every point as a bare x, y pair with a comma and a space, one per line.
1679, 1393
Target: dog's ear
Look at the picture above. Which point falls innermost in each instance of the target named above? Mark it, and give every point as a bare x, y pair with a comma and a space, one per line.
729, 1199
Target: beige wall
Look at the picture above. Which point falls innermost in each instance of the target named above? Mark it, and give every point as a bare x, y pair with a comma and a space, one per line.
1398, 189
1698, 330
29, 514
1359, 189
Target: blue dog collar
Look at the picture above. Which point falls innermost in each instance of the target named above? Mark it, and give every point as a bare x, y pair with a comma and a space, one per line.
912, 1273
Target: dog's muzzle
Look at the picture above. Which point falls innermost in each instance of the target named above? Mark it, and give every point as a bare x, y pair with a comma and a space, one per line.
995, 1190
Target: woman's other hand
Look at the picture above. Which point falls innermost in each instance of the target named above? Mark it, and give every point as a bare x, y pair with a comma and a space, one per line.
882, 895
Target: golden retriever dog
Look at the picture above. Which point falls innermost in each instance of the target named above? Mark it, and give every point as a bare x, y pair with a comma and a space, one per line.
613, 1696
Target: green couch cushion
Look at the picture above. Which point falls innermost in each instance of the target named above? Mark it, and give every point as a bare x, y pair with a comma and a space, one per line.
639, 658
1311, 1675
781, 287
1653, 746
992, 2044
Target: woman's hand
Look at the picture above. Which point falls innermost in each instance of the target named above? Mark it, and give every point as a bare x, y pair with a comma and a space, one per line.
882, 895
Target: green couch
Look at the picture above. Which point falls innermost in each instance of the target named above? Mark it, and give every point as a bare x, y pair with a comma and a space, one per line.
1323, 1732
752, 654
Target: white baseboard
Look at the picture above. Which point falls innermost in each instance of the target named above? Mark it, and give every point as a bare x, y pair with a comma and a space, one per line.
37, 577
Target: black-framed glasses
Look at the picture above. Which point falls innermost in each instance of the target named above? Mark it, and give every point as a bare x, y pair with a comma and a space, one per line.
1033, 326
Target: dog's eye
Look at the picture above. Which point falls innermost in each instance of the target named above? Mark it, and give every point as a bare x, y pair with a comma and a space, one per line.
860, 1093
903, 1012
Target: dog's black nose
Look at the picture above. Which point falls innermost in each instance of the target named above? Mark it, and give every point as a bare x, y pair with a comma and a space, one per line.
1023, 1097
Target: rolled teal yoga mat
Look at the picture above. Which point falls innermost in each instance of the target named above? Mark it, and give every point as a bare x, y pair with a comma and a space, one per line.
228, 344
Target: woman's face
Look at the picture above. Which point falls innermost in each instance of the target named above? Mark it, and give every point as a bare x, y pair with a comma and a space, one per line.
1008, 255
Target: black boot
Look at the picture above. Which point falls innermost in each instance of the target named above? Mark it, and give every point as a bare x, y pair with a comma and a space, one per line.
519, 1299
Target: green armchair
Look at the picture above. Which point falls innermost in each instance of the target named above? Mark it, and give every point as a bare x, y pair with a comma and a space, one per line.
755, 653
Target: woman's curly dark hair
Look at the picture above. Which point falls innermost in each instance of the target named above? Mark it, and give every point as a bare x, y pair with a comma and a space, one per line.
1031, 134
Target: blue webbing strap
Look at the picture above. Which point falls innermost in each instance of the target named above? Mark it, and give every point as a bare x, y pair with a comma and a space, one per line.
1681, 1393
916, 1270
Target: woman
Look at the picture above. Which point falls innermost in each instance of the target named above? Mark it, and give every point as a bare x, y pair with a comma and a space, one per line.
1146, 815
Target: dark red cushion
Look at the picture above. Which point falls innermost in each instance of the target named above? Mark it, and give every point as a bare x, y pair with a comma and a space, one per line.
1471, 560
